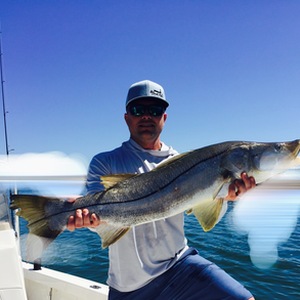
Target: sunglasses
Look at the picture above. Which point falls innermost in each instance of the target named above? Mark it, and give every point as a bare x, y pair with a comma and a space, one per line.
152, 110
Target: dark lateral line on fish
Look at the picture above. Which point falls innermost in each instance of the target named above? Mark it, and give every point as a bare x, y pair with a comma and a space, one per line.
225, 175
129, 201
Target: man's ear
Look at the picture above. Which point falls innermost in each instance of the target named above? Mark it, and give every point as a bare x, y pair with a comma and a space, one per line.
126, 118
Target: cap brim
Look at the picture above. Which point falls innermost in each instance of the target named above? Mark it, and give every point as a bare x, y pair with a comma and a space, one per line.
162, 101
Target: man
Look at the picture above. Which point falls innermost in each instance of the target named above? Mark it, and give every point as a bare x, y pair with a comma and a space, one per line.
153, 261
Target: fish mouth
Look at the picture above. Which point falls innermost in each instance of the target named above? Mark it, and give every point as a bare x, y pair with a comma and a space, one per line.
294, 147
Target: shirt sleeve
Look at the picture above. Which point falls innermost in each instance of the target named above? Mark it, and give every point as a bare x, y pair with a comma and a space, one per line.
97, 168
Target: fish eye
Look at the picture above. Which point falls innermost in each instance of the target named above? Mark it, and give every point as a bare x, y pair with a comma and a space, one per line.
278, 147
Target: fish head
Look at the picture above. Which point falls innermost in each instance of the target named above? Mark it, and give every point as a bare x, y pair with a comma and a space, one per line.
269, 159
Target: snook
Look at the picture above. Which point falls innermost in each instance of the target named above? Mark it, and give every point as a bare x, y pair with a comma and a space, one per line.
188, 182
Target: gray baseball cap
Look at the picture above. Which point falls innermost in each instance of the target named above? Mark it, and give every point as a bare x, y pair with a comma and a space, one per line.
146, 89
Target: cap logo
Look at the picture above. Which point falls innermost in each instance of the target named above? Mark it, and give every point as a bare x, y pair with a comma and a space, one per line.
157, 93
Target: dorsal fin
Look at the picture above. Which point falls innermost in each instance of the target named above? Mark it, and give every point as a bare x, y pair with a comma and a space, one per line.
109, 181
170, 160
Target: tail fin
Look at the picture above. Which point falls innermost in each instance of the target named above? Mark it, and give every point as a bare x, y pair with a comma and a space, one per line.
32, 209
47, 218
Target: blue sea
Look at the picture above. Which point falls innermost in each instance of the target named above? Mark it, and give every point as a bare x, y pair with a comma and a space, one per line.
79, 253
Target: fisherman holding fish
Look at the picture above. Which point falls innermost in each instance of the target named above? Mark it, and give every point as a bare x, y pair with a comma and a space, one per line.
153, 260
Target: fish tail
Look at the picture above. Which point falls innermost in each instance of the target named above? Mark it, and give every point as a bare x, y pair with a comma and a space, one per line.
33, 209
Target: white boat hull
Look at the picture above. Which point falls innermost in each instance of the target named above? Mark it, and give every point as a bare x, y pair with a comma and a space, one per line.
50, 284
19, 280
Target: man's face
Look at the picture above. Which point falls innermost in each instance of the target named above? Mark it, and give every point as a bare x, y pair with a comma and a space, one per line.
145, 127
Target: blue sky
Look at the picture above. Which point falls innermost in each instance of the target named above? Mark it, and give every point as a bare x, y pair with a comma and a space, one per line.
230, 69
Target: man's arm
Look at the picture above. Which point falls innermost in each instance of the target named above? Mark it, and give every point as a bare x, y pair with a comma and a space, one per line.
82, 217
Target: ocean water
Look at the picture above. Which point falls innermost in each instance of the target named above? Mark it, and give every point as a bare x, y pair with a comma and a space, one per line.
80, 253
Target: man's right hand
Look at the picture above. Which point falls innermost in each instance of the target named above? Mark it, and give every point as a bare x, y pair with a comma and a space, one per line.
82, 219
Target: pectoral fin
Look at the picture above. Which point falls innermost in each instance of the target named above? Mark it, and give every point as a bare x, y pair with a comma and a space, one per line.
110, 233
208, 213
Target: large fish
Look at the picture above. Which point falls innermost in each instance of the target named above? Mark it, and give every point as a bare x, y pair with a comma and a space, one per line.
188, 182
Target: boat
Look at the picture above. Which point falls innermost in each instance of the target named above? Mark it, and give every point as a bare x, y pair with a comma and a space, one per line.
20, 280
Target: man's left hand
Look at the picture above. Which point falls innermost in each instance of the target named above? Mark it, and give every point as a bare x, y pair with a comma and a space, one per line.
240, 186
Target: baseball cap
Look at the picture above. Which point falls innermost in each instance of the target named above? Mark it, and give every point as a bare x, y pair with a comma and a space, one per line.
146, 89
